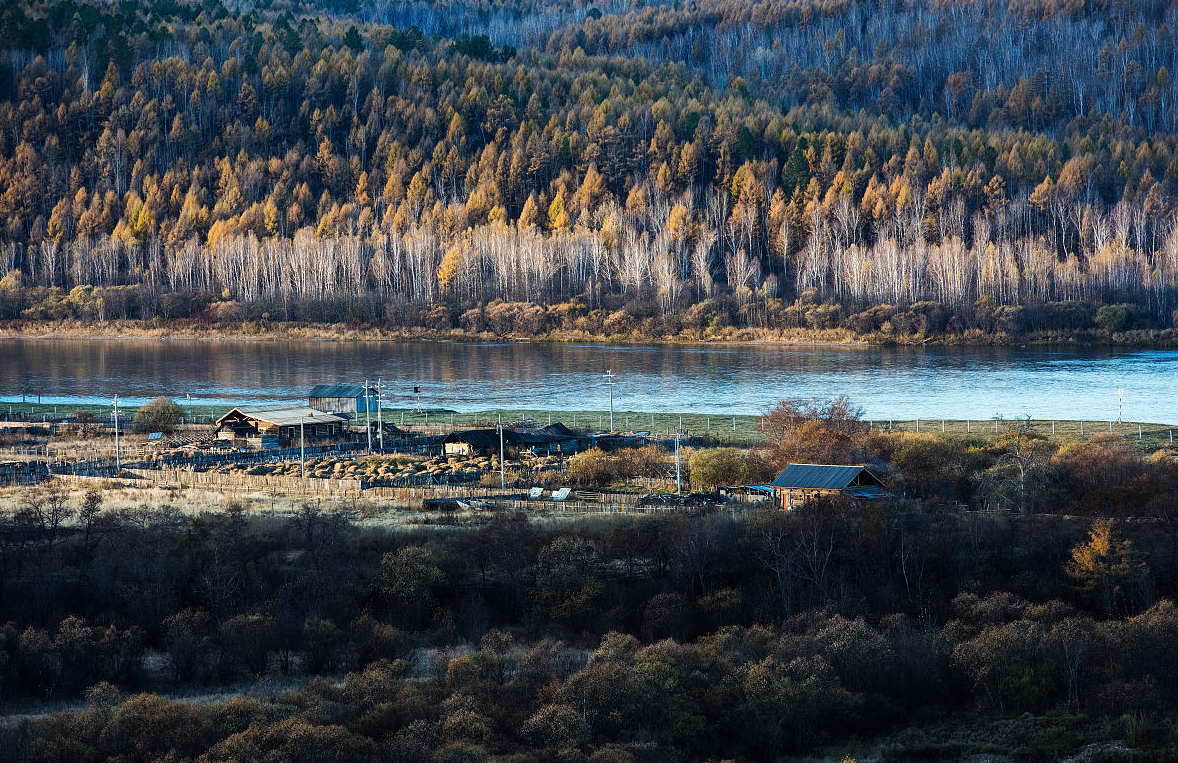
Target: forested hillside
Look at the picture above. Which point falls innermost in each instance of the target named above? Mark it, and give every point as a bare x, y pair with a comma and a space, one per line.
1001, 166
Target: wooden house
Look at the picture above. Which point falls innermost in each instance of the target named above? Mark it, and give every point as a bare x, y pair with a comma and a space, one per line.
274, 425
351, 399
800, 483
552, 439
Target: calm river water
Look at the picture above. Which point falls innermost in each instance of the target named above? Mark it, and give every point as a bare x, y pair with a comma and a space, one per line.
973, 382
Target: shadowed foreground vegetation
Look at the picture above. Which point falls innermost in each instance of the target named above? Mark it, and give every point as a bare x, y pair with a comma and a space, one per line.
757, 636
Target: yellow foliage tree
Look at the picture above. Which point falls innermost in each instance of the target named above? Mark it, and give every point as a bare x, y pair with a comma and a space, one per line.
450, 267
1107, 566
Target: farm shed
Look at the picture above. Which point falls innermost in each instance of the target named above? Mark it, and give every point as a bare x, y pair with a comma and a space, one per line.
561, 439
256, 425
342, 398
479, 442
800, 483
485, 442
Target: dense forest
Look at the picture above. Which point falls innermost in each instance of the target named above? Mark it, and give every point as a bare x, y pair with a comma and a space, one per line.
896, 166
1038, 629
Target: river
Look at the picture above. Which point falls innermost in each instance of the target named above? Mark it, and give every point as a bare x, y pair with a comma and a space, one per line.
892, 382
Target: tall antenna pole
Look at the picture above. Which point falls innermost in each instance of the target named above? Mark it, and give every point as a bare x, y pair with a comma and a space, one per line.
302, 452
678, 470
379, 420
609, 382
118, 454
368, 414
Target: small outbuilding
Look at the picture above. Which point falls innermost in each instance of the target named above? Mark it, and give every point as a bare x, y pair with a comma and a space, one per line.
479, 442
799, 484
264, 425
342, 398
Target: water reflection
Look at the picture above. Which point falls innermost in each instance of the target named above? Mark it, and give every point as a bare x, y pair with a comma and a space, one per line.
898, 382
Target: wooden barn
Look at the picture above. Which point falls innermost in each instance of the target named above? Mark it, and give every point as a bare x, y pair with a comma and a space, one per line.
265, 425
351, 399
480, 442
552, 439
800, 483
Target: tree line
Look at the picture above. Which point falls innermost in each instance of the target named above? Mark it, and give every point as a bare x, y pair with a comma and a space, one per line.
864, 153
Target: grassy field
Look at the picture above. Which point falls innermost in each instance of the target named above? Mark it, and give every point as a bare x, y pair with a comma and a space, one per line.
727, 428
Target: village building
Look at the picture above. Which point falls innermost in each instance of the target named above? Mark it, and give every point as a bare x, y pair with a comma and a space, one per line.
799, 484
268, 426
350, 399
550, 440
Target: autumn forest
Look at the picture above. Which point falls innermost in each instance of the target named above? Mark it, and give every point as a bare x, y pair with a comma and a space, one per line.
898, 168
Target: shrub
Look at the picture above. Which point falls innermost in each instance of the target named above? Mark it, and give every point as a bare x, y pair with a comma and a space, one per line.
160, 415
718, 466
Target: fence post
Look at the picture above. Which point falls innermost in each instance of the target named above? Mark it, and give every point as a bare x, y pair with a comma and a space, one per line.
1081, 426
1110, 427
1053, 427
917, 424
967, 426
942, 425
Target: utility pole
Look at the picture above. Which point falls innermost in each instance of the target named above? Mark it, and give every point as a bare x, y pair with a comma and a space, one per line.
368, 415
303, 450
118, 454
678, 469
379, 420
609, 382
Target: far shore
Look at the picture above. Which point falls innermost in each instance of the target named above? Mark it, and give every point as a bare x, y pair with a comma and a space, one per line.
340, 332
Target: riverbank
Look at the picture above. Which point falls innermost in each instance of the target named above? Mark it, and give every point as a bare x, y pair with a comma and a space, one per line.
195, 329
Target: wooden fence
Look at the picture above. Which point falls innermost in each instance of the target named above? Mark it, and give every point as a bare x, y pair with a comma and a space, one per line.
338, 488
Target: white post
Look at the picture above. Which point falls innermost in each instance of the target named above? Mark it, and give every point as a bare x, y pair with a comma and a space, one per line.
502, 459
118, 453
1081, 426
379, 418
1138, 431
302, 452
609, 382
942, 425
1053, 427
368, 415
733, 423
678, 470
1110, 427
918, 425
967, 426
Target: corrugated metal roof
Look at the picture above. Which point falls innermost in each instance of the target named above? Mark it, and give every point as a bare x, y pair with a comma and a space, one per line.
819, 476
286, 415
338, 390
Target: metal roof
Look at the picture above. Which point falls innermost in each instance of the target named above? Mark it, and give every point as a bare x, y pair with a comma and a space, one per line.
487, 438
286, 415
559, 431
339, 390
821, 476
